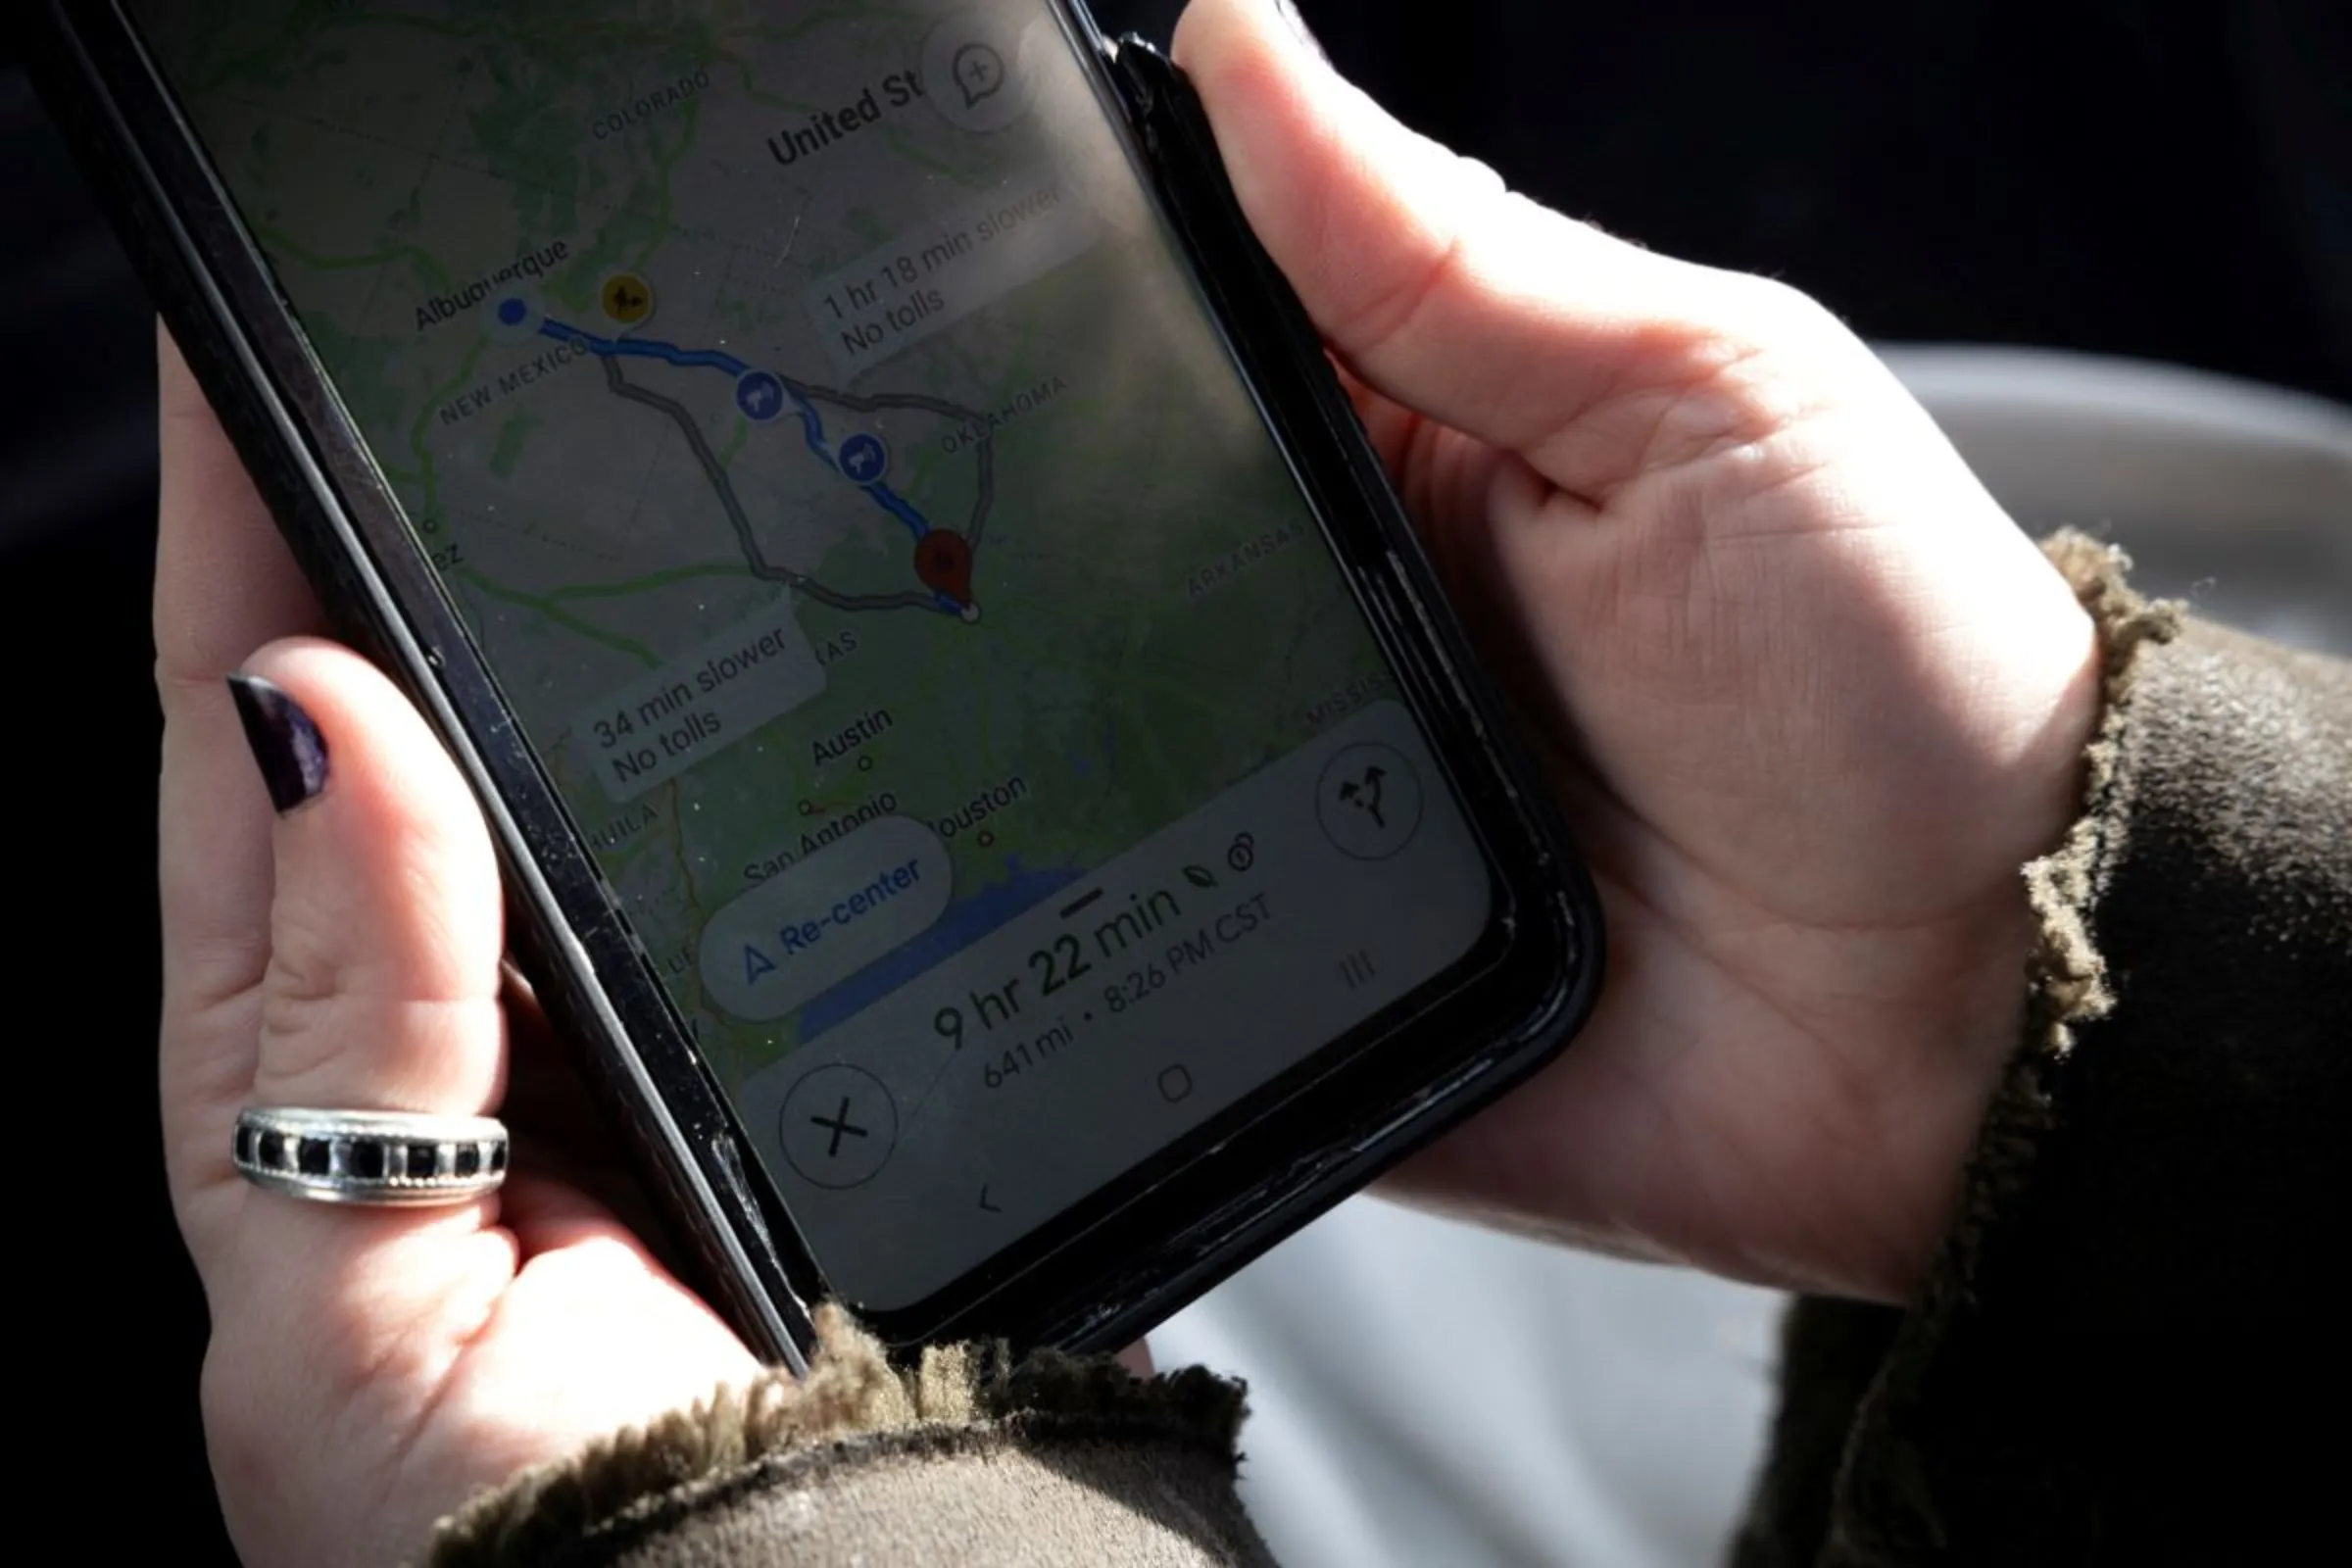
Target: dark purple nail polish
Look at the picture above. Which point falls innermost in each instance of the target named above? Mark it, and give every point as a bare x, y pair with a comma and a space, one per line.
286, 743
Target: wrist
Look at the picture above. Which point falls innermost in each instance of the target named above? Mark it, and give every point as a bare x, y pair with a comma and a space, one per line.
2035, 969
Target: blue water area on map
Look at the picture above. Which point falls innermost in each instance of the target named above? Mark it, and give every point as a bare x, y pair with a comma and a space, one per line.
963, 925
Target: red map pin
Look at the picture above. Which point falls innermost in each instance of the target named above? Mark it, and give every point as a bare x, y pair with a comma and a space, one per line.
943, 559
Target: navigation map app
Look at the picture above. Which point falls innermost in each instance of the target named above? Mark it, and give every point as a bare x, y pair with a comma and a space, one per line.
828, 450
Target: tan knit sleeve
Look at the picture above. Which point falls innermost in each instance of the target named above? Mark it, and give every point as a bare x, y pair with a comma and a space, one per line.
967, 1458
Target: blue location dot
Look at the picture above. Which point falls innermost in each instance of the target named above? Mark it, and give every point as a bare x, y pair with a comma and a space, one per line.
759, 394
865, 459
512, 318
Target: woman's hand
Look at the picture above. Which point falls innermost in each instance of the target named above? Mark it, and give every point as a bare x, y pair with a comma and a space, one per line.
1809, 697
369, 1368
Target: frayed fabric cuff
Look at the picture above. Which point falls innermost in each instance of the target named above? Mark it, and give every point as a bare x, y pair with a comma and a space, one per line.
2136, 1291
969, 1457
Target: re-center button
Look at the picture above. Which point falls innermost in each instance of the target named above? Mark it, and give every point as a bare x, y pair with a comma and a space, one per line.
826, 918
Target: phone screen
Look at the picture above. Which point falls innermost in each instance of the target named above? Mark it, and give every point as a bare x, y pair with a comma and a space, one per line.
829, 452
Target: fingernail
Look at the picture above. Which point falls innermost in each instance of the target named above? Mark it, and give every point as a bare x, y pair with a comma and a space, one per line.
291, 752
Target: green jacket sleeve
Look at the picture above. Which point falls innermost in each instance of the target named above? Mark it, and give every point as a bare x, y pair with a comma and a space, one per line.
2131, 1351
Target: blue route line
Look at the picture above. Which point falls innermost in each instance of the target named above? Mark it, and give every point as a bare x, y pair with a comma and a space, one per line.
812, 423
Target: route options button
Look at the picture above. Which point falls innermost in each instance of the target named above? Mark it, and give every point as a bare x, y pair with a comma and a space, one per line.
824, 919
838, 1126
1369, 802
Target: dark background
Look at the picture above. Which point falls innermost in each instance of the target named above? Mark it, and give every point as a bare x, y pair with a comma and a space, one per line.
2169, 180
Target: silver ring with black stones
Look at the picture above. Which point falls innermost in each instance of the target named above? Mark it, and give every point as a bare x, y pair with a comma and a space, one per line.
372, 1157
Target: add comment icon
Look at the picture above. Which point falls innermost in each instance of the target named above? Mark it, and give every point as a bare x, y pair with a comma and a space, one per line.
971, 70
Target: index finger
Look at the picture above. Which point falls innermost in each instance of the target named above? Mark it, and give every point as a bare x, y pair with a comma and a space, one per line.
225, 581
225, 584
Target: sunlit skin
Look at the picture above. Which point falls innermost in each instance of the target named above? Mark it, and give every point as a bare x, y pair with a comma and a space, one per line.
1808, 699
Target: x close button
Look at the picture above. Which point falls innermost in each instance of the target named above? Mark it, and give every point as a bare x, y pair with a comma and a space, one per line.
838, 1126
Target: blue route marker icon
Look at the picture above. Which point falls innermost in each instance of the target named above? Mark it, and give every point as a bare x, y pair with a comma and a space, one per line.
865, 459
513, 318
759, 394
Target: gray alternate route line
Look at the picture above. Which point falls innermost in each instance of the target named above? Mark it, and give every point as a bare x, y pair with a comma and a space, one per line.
716, 471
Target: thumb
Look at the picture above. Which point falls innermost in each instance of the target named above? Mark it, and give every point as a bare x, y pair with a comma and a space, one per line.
1444, 291
385, 926
381, 993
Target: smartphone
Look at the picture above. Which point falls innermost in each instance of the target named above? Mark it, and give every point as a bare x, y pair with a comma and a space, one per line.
983, 772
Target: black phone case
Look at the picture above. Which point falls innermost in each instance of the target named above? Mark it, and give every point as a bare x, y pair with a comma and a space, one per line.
1180, 1224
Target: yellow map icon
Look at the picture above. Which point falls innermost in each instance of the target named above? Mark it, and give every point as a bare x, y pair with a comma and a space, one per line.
627, 297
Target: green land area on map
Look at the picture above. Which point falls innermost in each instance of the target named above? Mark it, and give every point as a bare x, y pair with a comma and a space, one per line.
797, 454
